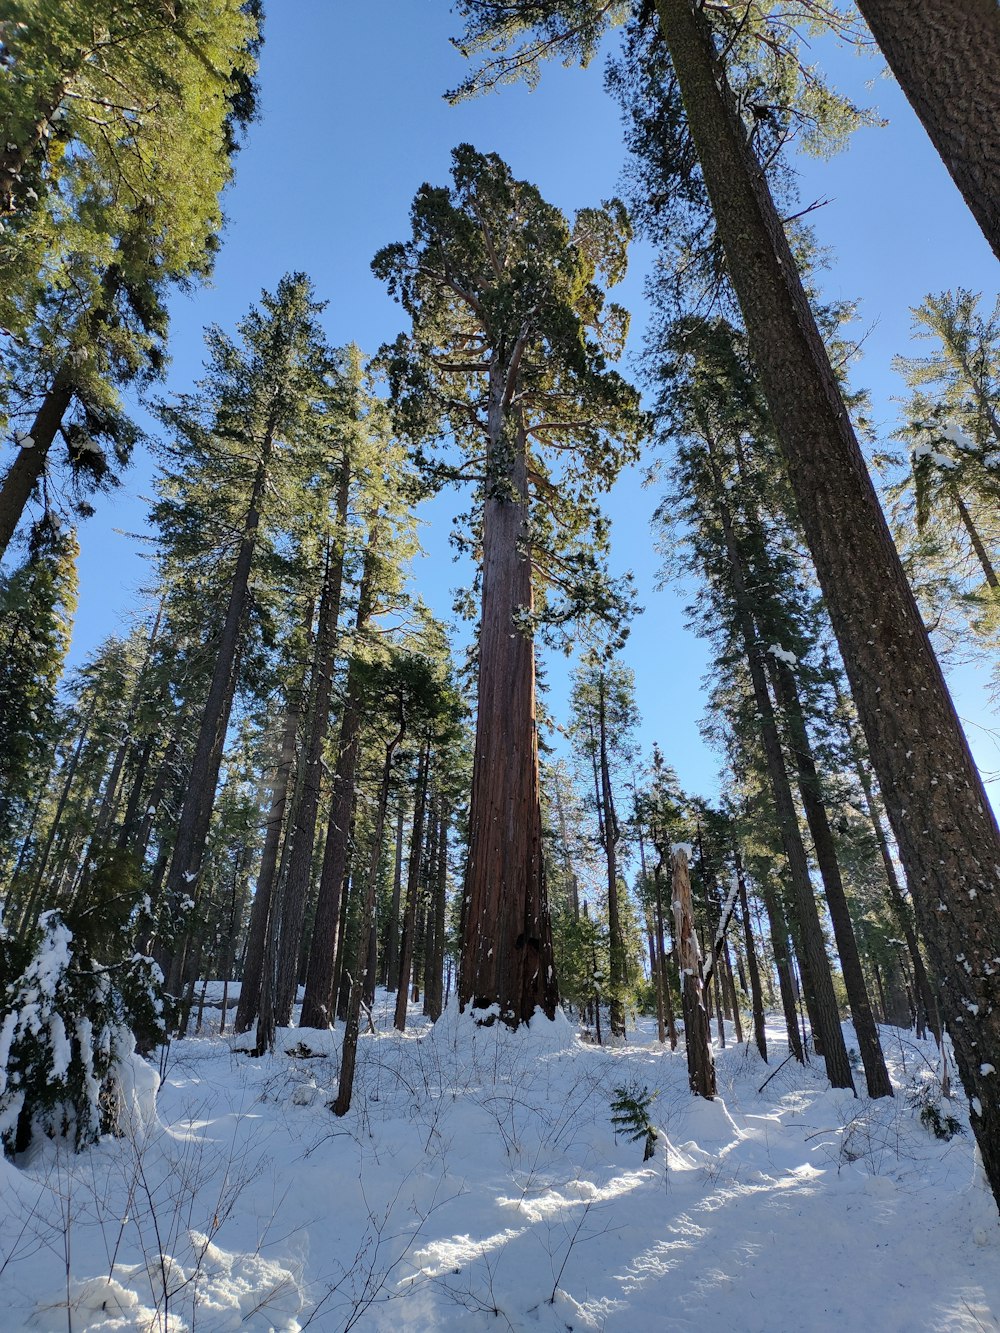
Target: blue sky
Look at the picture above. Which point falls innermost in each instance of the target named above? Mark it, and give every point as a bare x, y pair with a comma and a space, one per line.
353, 122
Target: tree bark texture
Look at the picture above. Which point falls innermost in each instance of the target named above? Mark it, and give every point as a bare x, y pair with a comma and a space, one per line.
946, 58
945, 830
697, 1034
507, 957
29, 465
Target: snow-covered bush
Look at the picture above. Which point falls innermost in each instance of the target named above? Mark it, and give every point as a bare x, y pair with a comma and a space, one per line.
66, 1030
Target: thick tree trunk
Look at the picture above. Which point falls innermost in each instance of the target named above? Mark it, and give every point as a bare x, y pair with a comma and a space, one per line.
260, 912
507, 951
876, 1075
945, 830
946, 58
697, 1036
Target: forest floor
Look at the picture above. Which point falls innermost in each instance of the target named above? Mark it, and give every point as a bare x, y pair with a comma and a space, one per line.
478, 1184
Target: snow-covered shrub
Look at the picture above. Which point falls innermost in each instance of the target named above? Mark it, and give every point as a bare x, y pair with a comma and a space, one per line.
925, 1097
65, 1030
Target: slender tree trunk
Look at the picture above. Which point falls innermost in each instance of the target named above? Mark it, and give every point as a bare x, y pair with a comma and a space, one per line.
196, 812
413, 872
609, 824
945, 829
783, 966
946, 58
317, 1002
756, 994
247, 1009
302, 846
982, 555
33, 901
392, 925
820, 997
436, 1005
697, 1036
507, 951
349, 1050
876, 1075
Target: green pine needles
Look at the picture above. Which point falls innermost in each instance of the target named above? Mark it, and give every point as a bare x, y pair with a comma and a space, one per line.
630, 1116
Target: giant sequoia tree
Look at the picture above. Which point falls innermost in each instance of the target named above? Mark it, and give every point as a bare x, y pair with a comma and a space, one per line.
508, 351
946, 832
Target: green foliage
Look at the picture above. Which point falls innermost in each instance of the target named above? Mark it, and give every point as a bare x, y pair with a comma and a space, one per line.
66, 1021
630, 1116
507, 308
117, 126
926, 1100
37, 601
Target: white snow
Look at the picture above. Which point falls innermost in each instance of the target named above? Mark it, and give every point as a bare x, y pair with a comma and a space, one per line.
477, 1184
782, 654
957, 436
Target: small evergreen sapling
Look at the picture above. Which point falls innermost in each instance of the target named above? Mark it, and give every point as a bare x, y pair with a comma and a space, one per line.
630, 1116
66, 1033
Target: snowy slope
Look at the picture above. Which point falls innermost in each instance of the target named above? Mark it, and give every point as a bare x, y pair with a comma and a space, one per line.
478, 1184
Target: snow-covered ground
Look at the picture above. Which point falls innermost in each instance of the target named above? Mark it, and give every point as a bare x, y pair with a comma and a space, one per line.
478, 1184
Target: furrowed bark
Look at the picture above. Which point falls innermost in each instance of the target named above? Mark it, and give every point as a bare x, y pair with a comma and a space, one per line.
945, 830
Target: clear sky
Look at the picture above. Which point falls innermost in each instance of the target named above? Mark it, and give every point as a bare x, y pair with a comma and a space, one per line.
353, 121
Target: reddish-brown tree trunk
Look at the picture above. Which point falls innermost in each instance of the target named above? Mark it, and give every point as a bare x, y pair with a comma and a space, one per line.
507, 957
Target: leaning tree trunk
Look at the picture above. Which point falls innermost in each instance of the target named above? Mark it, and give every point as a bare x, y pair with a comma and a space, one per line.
507, 956
946, 57
28, 468
876, 1075
697, 1034
945, 829
29, 465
